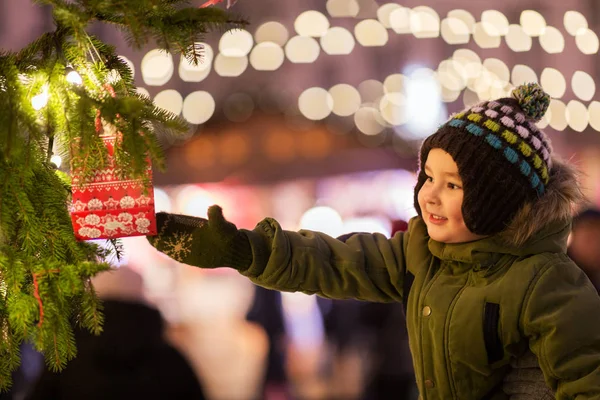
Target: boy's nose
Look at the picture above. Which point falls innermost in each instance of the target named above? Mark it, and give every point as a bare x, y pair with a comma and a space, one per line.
432, 195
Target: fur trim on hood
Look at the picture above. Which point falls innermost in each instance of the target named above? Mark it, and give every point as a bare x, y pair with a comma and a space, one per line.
563, 194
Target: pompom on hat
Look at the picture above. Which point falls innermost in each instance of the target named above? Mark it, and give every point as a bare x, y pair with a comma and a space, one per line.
503, 158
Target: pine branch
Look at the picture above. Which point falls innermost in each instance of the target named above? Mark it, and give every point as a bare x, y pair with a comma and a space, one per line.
45, 273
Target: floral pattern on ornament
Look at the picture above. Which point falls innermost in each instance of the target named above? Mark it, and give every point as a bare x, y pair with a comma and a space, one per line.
127, 202
79, 206
92, 219
89, 232
142, 223
126, 218
124, 223
113, 226
111, 204
95, 204
143, 201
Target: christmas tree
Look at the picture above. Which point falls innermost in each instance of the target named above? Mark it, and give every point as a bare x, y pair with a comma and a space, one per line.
53, 93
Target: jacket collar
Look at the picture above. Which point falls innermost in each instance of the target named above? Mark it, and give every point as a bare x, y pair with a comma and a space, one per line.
485, 252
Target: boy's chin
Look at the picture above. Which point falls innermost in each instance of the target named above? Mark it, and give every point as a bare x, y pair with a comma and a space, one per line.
438, 235
450, 236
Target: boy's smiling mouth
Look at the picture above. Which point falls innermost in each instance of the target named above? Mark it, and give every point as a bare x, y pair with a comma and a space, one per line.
436, 219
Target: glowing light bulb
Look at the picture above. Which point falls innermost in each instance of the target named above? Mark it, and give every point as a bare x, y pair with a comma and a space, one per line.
38, 102
56, 160
73, 76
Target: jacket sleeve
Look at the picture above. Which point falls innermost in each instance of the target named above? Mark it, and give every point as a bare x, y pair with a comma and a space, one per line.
561, 317
365, 267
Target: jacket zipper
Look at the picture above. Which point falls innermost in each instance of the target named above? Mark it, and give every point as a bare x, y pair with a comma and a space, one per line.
447, 333
423, 294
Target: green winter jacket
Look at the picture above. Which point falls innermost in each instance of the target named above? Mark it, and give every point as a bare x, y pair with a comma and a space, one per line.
472, 308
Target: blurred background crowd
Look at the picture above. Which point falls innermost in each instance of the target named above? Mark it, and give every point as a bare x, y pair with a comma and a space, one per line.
311, 115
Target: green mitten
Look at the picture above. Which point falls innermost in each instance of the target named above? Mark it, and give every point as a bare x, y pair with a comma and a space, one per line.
202, 243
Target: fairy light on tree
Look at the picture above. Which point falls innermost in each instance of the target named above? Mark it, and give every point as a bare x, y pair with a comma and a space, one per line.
73, 76
54, 95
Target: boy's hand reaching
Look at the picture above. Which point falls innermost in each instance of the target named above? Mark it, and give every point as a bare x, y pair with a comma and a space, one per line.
200, 242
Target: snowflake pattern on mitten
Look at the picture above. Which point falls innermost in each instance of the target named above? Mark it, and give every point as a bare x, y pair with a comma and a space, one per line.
178, 246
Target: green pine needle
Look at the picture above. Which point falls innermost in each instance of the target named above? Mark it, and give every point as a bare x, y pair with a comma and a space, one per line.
45, 287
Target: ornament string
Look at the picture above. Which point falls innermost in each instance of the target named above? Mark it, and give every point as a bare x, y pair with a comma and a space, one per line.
36, 294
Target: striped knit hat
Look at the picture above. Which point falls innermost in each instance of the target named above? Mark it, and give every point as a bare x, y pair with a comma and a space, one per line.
503, 158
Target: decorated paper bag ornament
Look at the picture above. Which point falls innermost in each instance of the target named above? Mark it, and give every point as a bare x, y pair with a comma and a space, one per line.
106, 206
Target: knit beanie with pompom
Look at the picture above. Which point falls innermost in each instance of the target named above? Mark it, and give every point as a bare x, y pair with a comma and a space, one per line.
503, 158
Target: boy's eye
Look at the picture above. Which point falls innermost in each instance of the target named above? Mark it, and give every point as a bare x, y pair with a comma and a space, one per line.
453, 186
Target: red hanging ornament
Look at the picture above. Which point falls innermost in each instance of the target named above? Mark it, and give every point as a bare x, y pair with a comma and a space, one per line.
106, 206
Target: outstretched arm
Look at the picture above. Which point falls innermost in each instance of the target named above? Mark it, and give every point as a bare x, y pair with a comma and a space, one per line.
366, 267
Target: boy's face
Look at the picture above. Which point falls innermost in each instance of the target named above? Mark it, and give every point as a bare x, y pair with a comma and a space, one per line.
441, 199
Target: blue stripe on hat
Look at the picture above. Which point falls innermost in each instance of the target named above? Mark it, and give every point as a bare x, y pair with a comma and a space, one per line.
525, 168
457, 123
535, 180
511, 155
494, 141
475, 130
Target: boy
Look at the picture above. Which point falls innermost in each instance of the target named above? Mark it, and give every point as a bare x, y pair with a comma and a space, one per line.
482, 269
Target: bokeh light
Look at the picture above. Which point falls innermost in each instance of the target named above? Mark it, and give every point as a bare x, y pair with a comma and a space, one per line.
455, 31
558, 115
553, 82
370, 32
198, 107
169, 100
583, 85
395, 83
424, 22
346, 99
383, 13
399, 20
272, 31
577, 116
533, 23
594, 114
498, 68
342, 8
522, 74
236, 43
495, 19
370, 90
234, 148
157, 67
367, 120
517, 40
311, 23
337, 41
393, 108
552, 40
465, 17
587, 41
302, 49
574, 21
315, 103
162, 201
483, 38
424, 109
322, 219
230, 66
267, 56
188, 72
